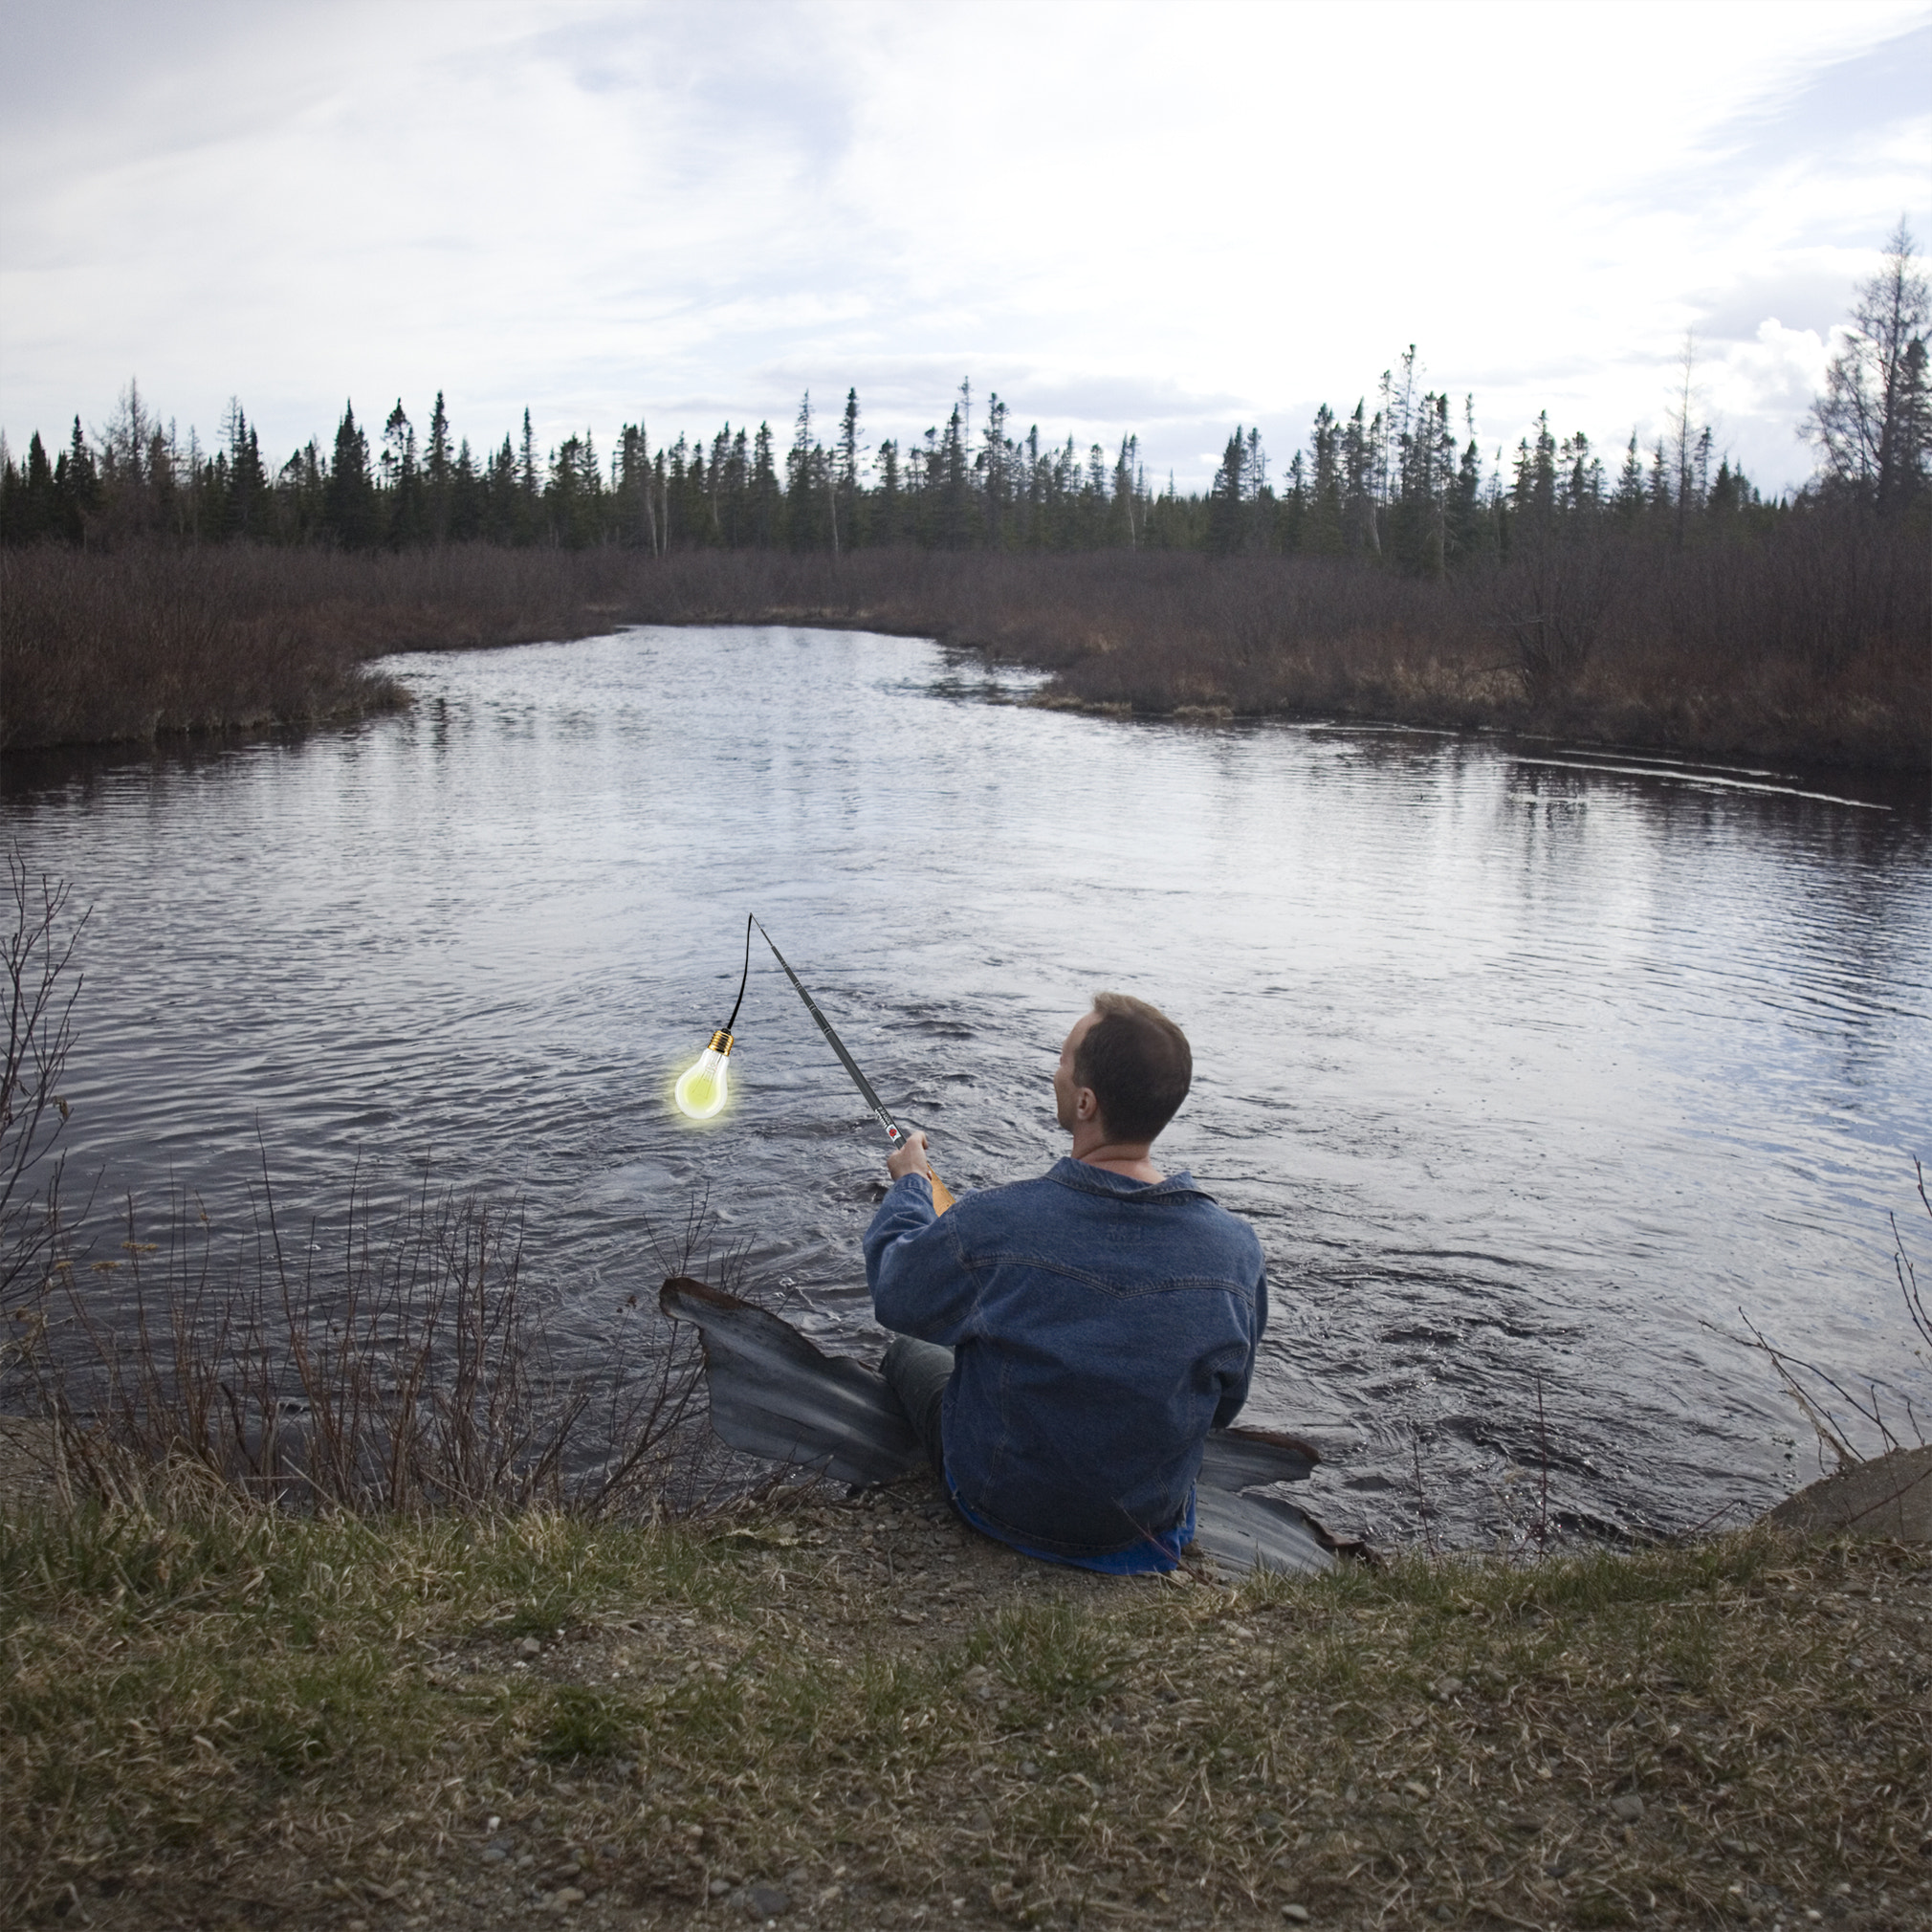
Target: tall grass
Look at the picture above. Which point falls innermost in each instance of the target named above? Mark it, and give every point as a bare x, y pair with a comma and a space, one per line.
413, 1369
39, 983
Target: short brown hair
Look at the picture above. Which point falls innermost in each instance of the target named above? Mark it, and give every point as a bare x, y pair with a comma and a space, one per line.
1138, 1063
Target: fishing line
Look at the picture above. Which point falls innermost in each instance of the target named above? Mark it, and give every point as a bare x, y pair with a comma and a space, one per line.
732, 1021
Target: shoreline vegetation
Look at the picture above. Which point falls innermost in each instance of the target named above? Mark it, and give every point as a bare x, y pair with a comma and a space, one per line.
1811, 645
152, 587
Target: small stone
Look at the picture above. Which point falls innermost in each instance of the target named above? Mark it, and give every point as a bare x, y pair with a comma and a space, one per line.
495, 1855
1267, 1821
719, 1887
1628, 1809
766, 1901
571, 1896
529, 1647
1029, 1769
1297, 1915
1447, 1688
980, 1821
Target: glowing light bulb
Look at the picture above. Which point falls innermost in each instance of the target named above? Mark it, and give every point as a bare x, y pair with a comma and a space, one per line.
701, 1088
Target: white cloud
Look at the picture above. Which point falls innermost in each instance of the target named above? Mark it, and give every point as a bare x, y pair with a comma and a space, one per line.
1156, 217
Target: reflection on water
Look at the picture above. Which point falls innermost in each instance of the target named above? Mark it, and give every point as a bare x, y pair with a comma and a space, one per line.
1525, 1063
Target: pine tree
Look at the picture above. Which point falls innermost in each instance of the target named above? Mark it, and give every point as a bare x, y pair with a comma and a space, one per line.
1873, 424
1292, 517
1360, 460
1533, 493
401, 480
1580, 479
845, 478
995, 464
245, 504
953, 485
463, 510
77, 486
804, 500
766, 505
1126, 492
1468, 532
889, 510
1324, 535
351, 512
437, 477
529, 506
1628, 501
34, 511
1226, 495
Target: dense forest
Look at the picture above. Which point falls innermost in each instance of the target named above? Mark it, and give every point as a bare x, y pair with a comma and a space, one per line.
1402, 483
1399, 482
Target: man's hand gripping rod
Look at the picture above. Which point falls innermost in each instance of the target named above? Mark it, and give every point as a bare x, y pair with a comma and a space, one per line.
942, 1198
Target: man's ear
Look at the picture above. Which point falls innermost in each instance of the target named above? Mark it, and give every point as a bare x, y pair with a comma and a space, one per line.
1086, 1103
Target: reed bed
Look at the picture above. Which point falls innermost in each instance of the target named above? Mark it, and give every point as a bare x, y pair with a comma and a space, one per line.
1807, 642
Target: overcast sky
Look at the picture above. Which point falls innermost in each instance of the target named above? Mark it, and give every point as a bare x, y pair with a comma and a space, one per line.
1165, 218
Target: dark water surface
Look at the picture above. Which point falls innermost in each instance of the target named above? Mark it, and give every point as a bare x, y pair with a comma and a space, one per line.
1525, 1063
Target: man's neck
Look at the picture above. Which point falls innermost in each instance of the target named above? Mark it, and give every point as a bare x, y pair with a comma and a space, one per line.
1126, 1158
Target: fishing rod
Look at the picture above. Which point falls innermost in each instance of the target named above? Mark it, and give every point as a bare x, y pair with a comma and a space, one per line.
942, 1198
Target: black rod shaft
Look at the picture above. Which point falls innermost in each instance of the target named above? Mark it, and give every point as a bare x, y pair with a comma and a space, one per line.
838, 1047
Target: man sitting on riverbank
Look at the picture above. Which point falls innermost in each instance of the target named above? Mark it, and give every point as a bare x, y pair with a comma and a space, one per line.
1066, 1343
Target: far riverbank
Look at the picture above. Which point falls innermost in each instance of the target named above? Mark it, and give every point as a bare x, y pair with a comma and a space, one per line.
1812, 649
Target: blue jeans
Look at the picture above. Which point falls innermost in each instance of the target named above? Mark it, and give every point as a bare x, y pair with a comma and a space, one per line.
917, 1373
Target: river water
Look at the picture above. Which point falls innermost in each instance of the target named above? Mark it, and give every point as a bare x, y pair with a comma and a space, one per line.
1527, 1063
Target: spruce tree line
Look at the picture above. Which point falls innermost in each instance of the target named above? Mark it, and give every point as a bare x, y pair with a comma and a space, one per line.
1403, 486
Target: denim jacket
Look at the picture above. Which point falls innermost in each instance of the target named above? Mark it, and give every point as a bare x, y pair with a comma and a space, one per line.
1100, 1327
